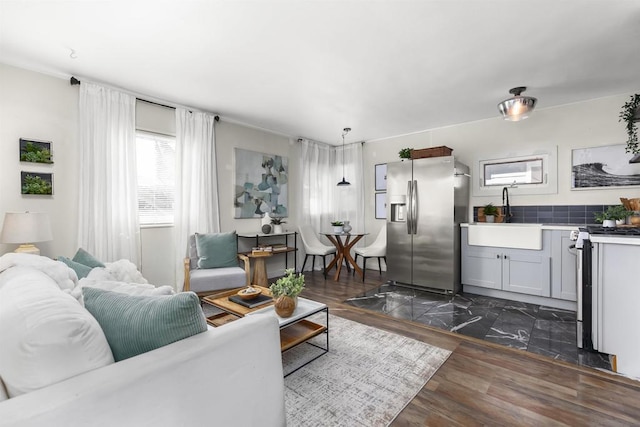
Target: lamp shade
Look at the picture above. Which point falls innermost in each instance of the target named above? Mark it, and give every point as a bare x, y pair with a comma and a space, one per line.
26, 227
519, 107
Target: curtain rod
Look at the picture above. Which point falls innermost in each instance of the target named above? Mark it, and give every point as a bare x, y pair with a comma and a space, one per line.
73, 81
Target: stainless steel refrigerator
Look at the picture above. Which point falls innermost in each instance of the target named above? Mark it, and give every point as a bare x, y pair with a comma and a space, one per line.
427, 199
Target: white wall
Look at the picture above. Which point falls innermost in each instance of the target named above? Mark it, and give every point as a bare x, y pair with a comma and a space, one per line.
581, 125
37, 106
230, 136
42, 107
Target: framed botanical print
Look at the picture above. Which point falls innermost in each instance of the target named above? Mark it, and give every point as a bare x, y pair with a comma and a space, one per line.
381, 177
381, 205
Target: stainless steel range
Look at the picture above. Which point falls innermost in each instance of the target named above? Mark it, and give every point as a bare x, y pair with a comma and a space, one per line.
584, 316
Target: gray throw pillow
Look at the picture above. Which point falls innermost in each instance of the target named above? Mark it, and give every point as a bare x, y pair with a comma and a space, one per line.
84, 257
136, 324
217, 250
81, 270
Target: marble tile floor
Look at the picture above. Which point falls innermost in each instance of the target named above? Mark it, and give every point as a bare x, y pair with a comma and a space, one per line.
534, 328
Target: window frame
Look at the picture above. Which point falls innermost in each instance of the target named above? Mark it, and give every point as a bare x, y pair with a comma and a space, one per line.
548, 185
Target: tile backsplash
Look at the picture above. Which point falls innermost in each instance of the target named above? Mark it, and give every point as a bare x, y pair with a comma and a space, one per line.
552, 214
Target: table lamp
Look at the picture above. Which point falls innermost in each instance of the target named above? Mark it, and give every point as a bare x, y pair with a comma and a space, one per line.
25, 228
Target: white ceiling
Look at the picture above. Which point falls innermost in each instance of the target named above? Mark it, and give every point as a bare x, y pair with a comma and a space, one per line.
310, 68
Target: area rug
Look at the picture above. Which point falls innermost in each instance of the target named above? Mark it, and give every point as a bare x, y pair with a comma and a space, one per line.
366, 379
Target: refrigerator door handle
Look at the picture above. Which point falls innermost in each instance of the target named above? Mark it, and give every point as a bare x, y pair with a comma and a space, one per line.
414, 203
409, 207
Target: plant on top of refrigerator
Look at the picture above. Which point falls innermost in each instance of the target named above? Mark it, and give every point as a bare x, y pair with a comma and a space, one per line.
405, 153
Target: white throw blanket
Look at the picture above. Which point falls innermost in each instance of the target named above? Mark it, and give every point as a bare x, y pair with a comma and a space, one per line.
65, 277
119, 276
122, 270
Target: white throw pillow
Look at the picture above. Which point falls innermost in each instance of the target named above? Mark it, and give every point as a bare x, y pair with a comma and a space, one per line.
46, 335
126, 288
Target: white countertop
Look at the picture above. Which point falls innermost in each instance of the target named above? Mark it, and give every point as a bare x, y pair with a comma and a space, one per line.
618, 240
567, 227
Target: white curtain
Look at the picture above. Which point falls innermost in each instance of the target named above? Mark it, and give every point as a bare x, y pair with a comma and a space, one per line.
322, 200
196, 202
108, 199
349, 200
318, 179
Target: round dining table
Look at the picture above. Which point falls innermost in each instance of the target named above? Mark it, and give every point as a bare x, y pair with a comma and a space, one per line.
343, 243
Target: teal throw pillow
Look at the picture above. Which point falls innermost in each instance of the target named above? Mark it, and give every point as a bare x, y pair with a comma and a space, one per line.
217, 250
81, 270
135, 324
84, 257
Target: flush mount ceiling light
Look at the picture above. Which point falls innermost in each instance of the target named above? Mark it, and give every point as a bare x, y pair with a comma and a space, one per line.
344, 182
519, 107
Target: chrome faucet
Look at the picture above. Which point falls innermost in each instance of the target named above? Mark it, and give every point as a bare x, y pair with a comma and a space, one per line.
506, 209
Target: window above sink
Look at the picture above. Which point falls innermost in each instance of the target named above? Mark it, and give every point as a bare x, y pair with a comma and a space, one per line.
523, 172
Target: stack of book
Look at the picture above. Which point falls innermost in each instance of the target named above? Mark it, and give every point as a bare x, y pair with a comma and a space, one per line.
279, 247
261, 250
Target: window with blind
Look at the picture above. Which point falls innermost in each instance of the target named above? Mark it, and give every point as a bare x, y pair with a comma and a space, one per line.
156, 178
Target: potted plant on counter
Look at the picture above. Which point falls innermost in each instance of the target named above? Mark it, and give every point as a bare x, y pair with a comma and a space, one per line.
285, 292
490, 212
615, 214
337, 226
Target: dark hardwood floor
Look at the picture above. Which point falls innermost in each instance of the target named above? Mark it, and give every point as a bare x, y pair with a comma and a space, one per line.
487, 384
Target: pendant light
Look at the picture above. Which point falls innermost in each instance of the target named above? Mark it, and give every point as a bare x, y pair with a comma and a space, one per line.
344, 182
519, 107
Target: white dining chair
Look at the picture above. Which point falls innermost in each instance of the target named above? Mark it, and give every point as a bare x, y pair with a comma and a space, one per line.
378, 249
314, 247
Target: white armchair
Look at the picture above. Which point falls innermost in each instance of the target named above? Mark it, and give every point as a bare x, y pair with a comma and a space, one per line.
314, 247
378, 249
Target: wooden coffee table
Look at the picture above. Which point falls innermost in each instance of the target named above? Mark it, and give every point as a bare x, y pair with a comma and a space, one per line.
294, 330
231, 310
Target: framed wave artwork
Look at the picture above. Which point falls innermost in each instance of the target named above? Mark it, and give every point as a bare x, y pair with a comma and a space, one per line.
603, 167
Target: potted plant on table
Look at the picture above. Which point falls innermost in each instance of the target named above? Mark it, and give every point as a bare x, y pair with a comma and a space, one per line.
615, 214
277, 224
337, 226
285, 292
490, 212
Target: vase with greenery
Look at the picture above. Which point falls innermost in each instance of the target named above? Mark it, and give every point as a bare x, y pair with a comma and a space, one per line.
630, 115
285, 292
277, 224
490, 212
405, 153
613, 214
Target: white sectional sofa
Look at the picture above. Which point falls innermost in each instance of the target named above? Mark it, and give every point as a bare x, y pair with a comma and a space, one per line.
225, 376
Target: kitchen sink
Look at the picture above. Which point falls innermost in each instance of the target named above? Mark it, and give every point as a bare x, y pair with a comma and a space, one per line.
509, 235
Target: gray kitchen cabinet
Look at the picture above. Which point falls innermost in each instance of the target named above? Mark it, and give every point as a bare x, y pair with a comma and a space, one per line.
481, 265
616, 292
563, 266
513, 270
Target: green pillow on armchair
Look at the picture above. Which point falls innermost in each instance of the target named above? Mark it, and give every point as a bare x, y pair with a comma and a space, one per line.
217, 250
